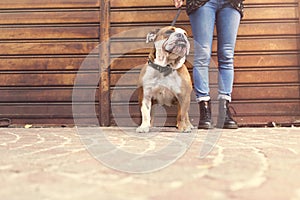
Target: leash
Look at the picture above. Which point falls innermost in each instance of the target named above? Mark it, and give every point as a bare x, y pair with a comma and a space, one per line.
165, 70
176, 17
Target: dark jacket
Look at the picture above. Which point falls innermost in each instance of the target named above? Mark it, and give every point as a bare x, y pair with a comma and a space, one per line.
192, 5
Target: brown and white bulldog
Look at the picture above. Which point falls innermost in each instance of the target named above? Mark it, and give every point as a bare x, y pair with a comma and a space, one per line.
165, 77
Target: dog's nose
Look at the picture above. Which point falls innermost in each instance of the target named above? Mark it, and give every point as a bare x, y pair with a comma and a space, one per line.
179, 35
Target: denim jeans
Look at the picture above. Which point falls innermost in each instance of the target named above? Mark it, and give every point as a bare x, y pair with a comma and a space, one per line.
203, 20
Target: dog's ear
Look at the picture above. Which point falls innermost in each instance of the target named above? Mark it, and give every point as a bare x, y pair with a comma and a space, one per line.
151, 36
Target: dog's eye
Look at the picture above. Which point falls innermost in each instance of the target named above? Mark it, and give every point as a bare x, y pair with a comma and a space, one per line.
169, 32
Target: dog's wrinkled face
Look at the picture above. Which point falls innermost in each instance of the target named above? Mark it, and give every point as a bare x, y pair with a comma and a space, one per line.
171, 40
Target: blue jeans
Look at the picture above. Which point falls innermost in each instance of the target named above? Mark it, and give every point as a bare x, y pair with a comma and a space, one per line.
203, 20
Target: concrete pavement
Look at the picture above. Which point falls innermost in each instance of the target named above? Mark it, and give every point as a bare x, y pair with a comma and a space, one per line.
244, 164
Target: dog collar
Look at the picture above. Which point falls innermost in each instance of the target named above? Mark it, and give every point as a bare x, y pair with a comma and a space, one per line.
165, 70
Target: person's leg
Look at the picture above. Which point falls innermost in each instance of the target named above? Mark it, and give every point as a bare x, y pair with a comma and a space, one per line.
228, 20
203, 22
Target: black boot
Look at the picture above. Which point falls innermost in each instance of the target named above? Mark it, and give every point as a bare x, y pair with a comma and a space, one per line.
205, 121
224, 119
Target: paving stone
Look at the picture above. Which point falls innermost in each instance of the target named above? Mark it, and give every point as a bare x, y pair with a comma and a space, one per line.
59, 164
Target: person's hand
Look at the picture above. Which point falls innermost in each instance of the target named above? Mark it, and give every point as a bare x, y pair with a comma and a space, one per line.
178, 3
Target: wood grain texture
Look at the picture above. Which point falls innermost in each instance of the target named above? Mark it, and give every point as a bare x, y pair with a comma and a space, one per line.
44, 44
267, 73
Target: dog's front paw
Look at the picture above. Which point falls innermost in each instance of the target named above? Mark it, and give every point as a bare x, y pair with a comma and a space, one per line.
185, 127
143, 129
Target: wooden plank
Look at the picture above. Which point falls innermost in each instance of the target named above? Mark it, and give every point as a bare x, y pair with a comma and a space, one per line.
244, 121
42, 123
259, 108
240, 92
271, 29
271, 13
272, 76
261, 62
46, 94
266, 44
47, 79
58, 32
128, 63
285, 112
56, 114
282, 76
271, 2
286, 108
62, 63
138, 3
41, 110
49, 17
48, 113
282, 120
51, 122
270, 92
25, 4
245, 29
145, 16
47, 48
163, 15
256, 45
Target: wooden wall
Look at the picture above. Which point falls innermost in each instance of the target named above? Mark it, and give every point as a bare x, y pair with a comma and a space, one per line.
42, 46
267, 72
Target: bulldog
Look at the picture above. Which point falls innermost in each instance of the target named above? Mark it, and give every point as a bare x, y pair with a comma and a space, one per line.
164, 78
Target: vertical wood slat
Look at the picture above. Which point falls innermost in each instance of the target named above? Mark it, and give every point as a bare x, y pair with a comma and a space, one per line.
299, 48
104, 84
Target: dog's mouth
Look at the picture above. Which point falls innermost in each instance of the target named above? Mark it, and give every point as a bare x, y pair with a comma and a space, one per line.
178, 46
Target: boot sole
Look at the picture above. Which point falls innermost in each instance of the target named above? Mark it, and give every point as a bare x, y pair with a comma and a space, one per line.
228, 126
206, 127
